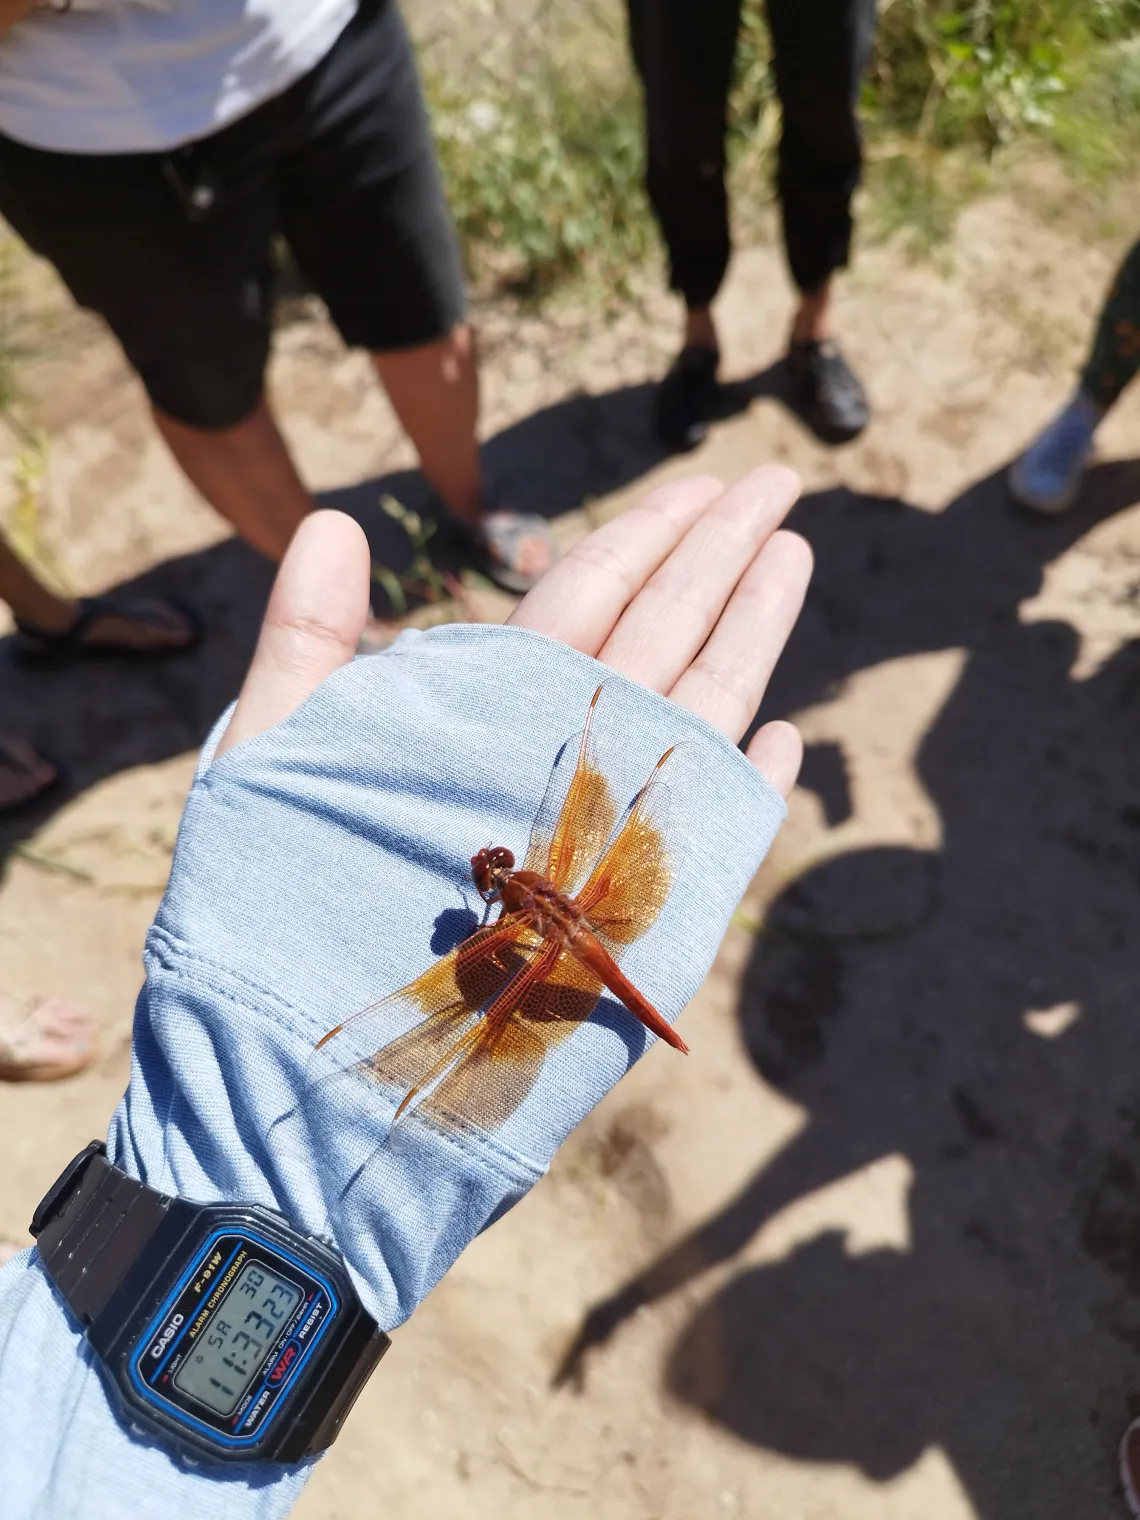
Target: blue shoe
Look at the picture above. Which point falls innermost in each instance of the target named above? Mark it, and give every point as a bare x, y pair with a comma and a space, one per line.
1048, 475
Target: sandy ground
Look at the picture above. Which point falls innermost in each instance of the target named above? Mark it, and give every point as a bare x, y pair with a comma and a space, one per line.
893, 1197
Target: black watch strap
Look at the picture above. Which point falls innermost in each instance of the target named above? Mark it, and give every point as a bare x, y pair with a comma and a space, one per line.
91, 1226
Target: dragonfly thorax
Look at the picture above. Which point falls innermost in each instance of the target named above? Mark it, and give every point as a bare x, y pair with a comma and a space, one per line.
551, 912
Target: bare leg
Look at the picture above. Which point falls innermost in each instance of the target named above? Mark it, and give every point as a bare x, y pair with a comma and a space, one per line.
687, 395
700, 329
812, 322
823, 388
434, 391
246, 474
142, 622
30, 601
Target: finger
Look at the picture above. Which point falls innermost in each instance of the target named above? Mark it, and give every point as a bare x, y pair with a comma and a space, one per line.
668, 622
777, 752
579, 599
726, 681
316, 614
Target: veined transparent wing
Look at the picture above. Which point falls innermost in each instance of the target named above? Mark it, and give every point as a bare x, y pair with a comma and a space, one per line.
495, 1064
447, 999
492, 1008
630, 884
577, 814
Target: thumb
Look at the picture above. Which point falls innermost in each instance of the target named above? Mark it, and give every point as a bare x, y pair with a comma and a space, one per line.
316, 613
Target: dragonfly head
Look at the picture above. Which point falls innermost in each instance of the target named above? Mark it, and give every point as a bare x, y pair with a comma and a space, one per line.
488, 866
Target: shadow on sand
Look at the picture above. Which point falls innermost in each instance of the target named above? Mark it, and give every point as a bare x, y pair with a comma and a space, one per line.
888, 993
103, 716
1009, 1334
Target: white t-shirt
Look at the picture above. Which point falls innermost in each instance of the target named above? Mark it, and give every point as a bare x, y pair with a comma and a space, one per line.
119, 76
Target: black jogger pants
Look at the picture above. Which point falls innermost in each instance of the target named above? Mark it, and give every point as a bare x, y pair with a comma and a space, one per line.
684, 52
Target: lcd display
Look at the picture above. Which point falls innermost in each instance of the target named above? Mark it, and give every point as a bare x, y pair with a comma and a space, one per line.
234, 1344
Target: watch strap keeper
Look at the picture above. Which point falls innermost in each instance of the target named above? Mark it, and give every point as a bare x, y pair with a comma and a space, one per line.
91, 1226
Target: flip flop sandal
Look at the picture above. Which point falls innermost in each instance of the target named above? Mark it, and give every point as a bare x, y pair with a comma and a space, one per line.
13, 755
494, 545
19, 1040
40, 646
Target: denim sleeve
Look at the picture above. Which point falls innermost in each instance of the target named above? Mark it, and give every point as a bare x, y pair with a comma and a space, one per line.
319, 867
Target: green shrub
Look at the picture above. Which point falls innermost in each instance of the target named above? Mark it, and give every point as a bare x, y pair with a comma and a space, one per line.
542, 157
540, 136
979, 72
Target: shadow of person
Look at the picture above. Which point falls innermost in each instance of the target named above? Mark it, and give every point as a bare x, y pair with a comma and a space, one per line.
851, 1388
970, 1008
586, 446
100, 716
829, 1357
589, 445
105, 715
549, 463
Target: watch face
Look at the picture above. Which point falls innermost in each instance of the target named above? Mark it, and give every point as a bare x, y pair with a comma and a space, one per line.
234, 1338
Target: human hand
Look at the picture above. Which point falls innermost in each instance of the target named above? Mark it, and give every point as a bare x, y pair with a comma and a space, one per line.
323, 840
693, 593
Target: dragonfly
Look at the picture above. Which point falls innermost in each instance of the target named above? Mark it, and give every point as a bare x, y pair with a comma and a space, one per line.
491, 1009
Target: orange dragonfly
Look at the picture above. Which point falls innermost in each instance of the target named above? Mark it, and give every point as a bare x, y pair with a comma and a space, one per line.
493, 1006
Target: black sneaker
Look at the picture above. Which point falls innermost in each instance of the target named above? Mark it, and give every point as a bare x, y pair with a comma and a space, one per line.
686, 397
825, 391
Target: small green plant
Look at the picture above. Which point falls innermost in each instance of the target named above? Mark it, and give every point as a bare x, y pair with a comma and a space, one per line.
916, 196
1096, 127
1111, 20
23, 524
14, 322
422, 581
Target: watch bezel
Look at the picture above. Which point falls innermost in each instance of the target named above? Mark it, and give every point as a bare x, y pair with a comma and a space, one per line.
124, 1328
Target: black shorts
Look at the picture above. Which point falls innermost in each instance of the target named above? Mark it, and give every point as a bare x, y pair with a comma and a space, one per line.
174, 249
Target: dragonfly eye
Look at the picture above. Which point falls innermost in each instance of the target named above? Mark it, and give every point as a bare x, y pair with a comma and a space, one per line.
485, 866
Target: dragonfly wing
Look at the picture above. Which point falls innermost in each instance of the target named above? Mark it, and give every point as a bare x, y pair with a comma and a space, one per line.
563, 999
544, 1004
488, 1079
629, 886
577, 815
447, 998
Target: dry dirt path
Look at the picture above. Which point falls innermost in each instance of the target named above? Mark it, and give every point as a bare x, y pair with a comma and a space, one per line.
909, 1129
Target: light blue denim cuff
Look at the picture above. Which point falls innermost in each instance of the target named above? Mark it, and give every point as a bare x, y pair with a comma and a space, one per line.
321, 866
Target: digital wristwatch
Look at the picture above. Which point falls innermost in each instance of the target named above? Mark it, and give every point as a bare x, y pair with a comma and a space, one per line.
222, 1331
